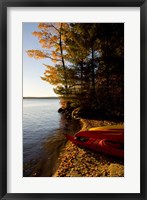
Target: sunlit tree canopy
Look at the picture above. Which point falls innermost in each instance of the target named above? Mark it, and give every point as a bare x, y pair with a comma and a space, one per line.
87, 62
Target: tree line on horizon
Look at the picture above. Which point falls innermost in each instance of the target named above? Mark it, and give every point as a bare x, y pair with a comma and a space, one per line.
88, 63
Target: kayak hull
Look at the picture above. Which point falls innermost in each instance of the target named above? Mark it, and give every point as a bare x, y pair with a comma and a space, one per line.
109, 127
107, 142
103, 134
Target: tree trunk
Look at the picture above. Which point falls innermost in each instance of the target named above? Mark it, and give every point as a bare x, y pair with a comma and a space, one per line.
63, 63
93, 73
81, 65
107, 71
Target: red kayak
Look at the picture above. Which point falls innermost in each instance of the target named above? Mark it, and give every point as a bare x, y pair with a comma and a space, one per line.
115, 135
109, 147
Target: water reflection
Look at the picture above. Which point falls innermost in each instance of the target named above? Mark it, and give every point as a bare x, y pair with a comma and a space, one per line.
46, 163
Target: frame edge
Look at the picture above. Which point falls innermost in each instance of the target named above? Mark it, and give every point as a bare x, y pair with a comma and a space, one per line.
3, 108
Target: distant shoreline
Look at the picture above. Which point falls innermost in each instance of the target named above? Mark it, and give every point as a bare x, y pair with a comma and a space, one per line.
40, 97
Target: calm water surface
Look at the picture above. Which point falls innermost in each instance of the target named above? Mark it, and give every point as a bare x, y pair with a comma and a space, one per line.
43, 129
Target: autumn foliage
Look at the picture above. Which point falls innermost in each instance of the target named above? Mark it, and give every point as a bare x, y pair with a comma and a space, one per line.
87, 63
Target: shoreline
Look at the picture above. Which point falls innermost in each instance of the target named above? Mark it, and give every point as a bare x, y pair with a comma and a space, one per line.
80, 162
46, 164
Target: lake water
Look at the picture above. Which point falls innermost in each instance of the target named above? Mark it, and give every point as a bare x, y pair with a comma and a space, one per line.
43, 138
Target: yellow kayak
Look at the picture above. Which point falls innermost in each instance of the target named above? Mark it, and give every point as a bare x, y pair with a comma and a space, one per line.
111, 127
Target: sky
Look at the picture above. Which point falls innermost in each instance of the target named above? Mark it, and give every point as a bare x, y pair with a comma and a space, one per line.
33, 86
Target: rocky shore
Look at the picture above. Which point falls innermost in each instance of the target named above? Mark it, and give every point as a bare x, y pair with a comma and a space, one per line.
80, 162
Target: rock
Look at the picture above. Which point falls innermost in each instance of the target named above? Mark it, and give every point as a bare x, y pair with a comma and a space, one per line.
67, 110
76, 113
60, 110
